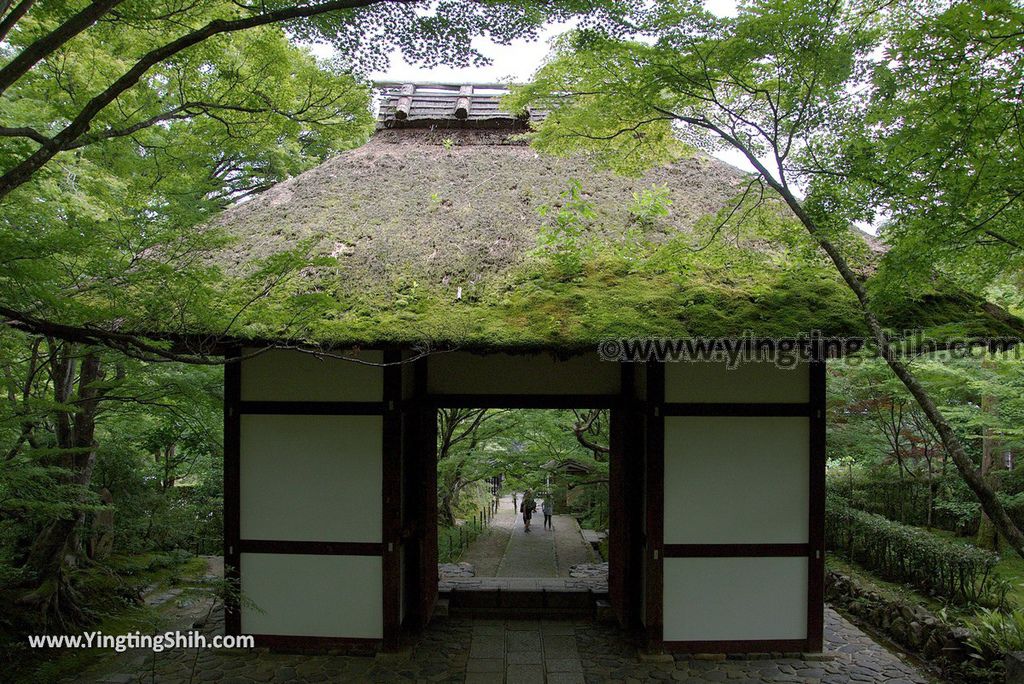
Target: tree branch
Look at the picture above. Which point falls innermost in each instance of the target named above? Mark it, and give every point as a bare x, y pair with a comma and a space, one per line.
46, 45
79, 125
14, 17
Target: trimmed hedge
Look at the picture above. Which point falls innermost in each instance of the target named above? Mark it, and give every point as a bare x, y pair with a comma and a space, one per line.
901, 553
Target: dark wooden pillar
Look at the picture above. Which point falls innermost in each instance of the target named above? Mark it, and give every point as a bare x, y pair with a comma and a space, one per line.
625, 480
816, 527
654, 488
426, 451
618, 510
419, 525
232, 489
391, 499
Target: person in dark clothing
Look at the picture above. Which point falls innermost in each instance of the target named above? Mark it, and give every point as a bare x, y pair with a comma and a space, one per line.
527, 508
548, 511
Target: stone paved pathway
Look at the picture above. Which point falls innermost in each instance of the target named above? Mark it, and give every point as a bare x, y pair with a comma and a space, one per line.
505, 557
497, 651
487, 550
543, 552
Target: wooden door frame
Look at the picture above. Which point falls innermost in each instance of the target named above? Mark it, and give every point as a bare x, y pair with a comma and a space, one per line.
625, 510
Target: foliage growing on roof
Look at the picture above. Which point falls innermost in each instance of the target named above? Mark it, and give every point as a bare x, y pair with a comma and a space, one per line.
493, 246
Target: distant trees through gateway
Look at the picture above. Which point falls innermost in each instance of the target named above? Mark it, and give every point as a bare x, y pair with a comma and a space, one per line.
559, 454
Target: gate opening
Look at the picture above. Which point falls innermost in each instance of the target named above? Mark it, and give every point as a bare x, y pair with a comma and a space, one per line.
523, 509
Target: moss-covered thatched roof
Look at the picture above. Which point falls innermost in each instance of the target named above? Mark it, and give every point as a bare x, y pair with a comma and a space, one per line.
441, 235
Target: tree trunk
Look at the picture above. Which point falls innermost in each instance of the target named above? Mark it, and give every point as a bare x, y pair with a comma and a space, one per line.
991, 460
445, 509
57, 548
990, 503
931, 489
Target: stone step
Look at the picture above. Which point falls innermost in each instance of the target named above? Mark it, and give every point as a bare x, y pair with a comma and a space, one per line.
505, 603
441, 607
604, 613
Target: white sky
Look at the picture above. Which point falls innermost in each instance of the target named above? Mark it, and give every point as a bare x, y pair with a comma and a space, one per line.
515, 62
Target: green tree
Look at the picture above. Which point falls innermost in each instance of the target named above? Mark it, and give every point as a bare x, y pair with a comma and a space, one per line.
463, 459
97, 443
124, 126
137, 118
527, 447
787, 83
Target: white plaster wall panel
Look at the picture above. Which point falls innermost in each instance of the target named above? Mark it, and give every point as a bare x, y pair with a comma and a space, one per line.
289, 375
732, 480
751, 382
311, 478
309, 595
718, 599
465, 373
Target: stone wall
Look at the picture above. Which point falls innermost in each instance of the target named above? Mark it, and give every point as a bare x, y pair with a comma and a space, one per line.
910, 626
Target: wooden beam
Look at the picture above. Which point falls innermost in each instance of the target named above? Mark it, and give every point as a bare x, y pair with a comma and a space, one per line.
312, 408
525, 401
427, 453
317, 644
404, 105
816, 509
655, 490
318, 548
737, 646
619, 499
736, 550
391, 501
463, 103
232, 489
737, 409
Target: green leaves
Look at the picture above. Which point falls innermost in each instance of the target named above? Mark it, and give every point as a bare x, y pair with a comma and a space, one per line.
600, 103
651, 204
954, 571
907, 113
994, 633
564, 236
942, 141
107, 236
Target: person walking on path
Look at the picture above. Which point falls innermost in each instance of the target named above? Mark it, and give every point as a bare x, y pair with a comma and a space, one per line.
527, 507
548, 510
515, 501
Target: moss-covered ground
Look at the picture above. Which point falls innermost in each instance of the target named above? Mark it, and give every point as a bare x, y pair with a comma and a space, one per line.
112, 593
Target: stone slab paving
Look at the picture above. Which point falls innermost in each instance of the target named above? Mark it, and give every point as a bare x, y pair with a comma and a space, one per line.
582, 584
486, 551
544, 552
506, 550
571, 548
851, 657
511, 651
529, 554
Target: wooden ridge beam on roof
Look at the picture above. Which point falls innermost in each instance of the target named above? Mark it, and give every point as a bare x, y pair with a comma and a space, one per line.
404, 105
463, 103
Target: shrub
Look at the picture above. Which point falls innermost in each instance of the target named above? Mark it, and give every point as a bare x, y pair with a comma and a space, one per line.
879, 489
994, 633
651, 204
954, 571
